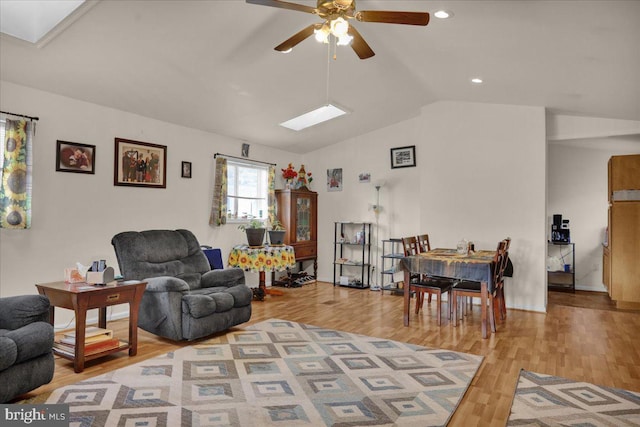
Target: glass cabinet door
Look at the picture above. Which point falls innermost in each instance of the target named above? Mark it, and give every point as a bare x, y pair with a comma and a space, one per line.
303, 219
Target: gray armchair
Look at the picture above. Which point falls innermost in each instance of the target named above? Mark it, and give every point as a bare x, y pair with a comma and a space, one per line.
184, 298
26, 343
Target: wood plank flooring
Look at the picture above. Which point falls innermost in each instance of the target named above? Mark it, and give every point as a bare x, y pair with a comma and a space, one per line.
584, 344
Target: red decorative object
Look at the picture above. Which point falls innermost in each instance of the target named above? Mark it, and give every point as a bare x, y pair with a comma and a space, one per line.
289, 173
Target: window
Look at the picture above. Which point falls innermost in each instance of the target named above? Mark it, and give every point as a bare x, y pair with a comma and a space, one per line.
247, 191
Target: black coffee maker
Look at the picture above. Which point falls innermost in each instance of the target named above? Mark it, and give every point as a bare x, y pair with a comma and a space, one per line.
560, 230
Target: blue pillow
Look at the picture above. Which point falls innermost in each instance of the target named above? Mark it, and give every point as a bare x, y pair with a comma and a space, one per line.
215, 258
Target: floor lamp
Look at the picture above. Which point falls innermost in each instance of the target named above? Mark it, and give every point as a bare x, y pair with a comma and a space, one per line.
376, 210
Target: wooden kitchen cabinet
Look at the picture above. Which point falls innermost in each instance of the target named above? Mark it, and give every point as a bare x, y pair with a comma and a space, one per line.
621, 256
624, 173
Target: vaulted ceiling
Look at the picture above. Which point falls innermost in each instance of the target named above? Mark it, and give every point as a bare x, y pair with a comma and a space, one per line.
211, 65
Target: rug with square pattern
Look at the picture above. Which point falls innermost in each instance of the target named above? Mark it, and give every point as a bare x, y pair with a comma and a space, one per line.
279, 373
545, 400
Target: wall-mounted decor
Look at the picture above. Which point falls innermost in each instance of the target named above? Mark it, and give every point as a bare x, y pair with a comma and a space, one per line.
140, 164
364, 177
245, 150
186, 169
75, 157
403, 157
334, 179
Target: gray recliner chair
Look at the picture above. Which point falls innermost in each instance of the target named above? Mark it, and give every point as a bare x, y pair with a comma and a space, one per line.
26, 343
184, 298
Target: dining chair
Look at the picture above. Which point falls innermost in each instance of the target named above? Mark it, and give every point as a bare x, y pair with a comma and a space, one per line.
501, 303
425, 246
500, 285
422, 284
466, 288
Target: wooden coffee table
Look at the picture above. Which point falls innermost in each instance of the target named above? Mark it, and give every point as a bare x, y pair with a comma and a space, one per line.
81, 297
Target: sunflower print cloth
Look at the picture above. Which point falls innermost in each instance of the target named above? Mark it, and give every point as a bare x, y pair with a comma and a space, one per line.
266, 258
15, 184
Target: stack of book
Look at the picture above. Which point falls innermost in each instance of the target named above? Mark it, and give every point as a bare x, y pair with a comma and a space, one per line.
97, 340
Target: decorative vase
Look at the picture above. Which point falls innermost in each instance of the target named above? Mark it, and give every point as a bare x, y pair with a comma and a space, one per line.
287, 185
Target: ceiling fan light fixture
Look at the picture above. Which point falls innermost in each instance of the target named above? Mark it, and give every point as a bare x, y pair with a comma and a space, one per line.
312, 118
322, 34
344, 40
339, 27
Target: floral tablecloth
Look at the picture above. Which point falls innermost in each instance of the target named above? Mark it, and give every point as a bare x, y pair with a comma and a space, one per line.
266, 258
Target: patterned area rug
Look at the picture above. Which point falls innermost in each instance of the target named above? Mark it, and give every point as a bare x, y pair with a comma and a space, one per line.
279, 373
544, 400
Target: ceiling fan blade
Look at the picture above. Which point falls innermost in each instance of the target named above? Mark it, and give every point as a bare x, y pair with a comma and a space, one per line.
393, 17
284, 5
295, 39
359, 46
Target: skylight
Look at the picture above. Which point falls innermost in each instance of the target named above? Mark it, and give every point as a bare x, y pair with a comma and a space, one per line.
312, 118
34, 19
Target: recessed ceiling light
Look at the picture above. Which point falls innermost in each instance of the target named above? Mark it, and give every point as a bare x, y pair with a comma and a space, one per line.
476, 80
443, 14
312, 118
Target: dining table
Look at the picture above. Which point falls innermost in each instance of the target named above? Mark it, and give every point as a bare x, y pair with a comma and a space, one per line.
475, 266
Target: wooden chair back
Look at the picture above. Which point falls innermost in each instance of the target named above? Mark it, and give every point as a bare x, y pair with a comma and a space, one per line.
410, 246
423, 243
499, 263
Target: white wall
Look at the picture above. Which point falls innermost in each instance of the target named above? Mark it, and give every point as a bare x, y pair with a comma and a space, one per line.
480, 175
75, 215
578, 191
367, 153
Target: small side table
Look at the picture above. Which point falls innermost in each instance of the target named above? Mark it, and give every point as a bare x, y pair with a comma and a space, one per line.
81, 297
262, 259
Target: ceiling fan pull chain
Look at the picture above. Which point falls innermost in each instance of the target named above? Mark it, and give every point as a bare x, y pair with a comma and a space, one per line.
328, 67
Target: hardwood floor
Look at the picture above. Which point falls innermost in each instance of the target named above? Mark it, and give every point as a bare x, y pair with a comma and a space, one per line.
585, 344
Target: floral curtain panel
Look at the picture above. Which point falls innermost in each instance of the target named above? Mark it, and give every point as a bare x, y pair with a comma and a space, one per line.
271, 196
15, 188
219, 204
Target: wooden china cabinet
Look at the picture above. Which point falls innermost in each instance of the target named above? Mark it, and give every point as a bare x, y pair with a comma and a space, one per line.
297, 210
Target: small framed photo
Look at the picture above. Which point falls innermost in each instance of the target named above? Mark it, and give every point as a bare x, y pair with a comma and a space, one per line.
140, 164
186, 169
403, 157
364, 177
75, 157
334, 179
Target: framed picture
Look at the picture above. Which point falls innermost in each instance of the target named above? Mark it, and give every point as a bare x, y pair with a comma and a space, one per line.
334, 179
403, 157
364, 177
186, 169
75, 157
140, 164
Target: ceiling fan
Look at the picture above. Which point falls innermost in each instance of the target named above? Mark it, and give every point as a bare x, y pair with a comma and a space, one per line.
336, 14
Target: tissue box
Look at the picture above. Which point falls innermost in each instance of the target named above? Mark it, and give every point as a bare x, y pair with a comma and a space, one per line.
344, 280
72, 275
